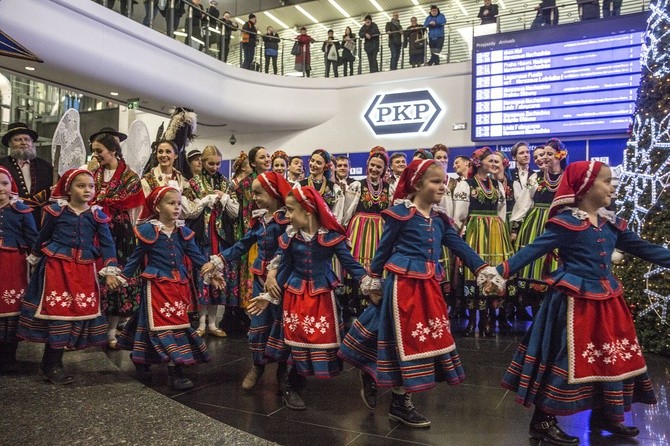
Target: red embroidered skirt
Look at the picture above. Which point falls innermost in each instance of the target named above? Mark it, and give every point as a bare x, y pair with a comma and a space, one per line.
168, 304
70, 291
13, 282
311, 321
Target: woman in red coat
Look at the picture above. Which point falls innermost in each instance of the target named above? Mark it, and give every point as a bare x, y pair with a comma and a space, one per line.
303, 59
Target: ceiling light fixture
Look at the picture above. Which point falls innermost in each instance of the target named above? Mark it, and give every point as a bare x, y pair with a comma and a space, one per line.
306, 14
113, 93
279, 22
30, 68
339, 8
240, 21
380, 9
461, 7
415, 2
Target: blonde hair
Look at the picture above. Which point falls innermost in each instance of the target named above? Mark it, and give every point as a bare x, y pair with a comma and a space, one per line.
209, 152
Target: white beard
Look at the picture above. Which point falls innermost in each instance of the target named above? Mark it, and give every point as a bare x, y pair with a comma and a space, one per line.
24, 155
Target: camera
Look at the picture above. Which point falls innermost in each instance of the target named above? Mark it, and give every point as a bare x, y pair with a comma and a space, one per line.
232, 140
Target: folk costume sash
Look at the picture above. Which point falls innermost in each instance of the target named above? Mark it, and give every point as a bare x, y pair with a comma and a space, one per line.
311, 321
169, 303
606, 349
13, 282
420, 319
70, 291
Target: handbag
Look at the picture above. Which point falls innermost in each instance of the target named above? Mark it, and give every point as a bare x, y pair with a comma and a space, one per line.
296, 49
332, 54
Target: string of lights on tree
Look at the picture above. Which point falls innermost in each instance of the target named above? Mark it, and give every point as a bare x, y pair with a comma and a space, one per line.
644, 188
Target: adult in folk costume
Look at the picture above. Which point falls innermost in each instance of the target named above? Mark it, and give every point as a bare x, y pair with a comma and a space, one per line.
117, 191
33, 175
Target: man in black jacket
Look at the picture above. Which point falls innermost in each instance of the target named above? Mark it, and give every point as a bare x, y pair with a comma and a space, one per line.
370, 32
394, 31
249, 34
33, 176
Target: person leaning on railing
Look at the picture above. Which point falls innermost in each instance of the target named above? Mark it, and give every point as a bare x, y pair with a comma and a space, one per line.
394, 32
229, 27
249, 34
415, 40
370, 32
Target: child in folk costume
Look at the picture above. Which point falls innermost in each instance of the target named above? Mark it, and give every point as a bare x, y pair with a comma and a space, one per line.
479, 215
405, 341
312, 325
216, 233
267, 225
581, 352
17, 236
160, 331
62, 306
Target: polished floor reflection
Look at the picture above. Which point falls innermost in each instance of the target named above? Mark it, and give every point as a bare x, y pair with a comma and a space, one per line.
478, 412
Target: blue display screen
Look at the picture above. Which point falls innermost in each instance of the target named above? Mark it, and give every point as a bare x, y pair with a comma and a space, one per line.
560, 81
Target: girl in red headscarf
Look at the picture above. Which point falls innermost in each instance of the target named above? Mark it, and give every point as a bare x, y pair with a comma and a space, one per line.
62, 306
160, 331
268, 222
312, 324
405, 341
364, 201
17, 235
582, 352
479, 214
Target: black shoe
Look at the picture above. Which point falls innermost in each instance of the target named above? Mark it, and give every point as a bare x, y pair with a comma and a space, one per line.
57, 375
292, 399
403, 411
369, 390
9, 365
599, 422
549, 432
177, 379
142, 371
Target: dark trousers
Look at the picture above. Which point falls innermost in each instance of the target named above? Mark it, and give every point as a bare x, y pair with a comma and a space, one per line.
435, 46
148, 16
226, 49
330, 63
372, 60
274, 63
349, 66
611, 8
248, 50
395, 54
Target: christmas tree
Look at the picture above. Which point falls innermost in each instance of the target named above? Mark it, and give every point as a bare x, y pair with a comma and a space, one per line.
644, 188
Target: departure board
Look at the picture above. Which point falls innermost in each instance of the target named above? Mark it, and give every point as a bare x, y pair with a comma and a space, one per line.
560, 81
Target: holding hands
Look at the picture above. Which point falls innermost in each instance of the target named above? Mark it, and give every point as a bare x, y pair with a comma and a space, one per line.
490, 282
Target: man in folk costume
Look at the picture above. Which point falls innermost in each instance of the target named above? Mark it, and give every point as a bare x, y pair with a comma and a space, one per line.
33, 175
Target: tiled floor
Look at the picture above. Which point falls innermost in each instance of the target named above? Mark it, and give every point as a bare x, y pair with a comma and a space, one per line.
478, 412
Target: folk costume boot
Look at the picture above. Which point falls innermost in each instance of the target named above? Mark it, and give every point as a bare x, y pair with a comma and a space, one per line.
8, 362
472, 323
253, 376
599, 421
484, 323
291, 391
403, 411
369, 390
544, 428
52, 366
178, 380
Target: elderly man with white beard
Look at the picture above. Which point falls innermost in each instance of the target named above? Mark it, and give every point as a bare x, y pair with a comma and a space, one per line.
33, 175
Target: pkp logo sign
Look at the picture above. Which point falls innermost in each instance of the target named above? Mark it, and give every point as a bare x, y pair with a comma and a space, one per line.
407, 112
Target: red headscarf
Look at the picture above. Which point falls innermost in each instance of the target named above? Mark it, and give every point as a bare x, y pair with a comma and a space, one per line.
576, 181
275, 185
15, 190
477, 159
61, 190
312, 201
410, 177
381, 153
149, 209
